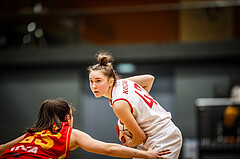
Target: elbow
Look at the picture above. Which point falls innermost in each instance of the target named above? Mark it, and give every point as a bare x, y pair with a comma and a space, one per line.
143, 139
152, 77
140, 140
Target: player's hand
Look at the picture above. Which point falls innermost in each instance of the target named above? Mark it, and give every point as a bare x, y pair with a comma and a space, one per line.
159, 154
127, 139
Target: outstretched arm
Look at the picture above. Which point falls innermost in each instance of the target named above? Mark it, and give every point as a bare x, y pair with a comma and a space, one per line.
146, 81
8, 145
86, 142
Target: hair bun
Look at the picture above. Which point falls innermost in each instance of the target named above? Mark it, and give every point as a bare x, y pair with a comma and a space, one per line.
104, 58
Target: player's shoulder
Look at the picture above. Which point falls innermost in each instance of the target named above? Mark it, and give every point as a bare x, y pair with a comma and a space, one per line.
76, 134
124, 83
123, 86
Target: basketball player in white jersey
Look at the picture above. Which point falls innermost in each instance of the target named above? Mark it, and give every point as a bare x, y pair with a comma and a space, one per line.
149, 123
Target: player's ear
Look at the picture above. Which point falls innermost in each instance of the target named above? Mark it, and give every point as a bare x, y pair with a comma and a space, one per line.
68, 118
111, 81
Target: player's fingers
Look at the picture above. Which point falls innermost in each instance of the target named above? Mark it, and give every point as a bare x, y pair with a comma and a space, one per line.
125, 135
164, 152
152, 148
161, 157
123, 132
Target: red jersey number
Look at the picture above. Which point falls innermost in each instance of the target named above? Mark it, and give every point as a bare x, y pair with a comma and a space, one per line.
146, 98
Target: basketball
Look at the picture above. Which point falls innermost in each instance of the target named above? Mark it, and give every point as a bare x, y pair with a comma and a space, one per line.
120, 126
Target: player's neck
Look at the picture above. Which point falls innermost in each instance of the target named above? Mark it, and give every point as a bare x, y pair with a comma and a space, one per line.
109, 93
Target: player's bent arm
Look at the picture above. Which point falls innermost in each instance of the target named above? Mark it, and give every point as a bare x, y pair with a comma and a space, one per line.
8, 145
86, 142
123, 111
146, 81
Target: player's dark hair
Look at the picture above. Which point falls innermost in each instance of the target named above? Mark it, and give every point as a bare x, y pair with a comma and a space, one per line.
52, 112
105, 65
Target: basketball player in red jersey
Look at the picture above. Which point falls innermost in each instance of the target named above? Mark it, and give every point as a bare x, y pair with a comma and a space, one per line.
53, 137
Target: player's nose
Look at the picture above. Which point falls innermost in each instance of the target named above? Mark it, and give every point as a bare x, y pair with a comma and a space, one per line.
94, 85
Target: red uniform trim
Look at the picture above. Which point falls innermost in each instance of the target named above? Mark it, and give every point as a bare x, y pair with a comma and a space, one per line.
126, 101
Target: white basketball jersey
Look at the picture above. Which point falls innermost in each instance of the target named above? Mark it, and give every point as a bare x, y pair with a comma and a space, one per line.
150, 116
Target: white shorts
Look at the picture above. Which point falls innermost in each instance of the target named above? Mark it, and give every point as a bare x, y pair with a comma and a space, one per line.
168, 138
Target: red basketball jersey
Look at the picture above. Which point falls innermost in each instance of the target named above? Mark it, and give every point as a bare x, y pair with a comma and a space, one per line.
43, 145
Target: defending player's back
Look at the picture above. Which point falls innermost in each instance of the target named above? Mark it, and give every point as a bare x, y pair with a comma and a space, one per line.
43, 144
